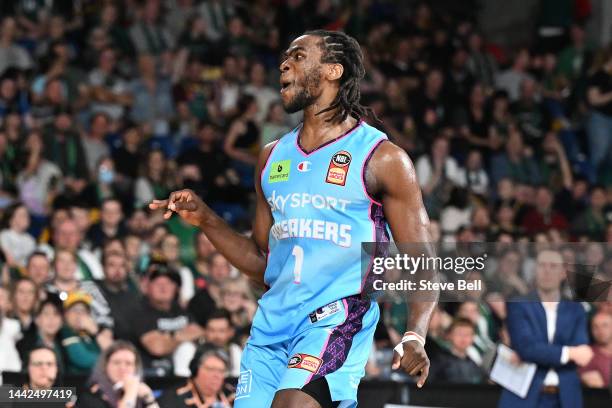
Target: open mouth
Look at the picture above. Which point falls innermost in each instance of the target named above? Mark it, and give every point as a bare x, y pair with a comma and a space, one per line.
285, 85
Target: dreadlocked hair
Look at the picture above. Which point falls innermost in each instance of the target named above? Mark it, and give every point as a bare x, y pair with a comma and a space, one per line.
340, 48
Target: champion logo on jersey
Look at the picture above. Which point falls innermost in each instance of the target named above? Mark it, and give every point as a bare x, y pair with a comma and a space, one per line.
304, 166
338, 168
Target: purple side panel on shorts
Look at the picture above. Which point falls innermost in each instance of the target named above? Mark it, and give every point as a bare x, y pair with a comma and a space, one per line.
341, 338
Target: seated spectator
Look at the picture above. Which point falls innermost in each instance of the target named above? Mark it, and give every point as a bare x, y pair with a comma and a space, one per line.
511, 79
219, 333
24, 297
106, 183
516, 161
68, 236
474, 176
110, 225
65, 280
42, 374
592, 221
596, 373
15, 242
237, 299
114, 296
170, 253
10, 333
117, 381
160, 324
82, 339
437, 172
155, 180
48, 322
205, 387
482, 346
38, 268
455, 366
543, 216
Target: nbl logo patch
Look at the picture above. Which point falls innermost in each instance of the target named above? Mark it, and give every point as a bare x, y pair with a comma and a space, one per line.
338, 168
305, 362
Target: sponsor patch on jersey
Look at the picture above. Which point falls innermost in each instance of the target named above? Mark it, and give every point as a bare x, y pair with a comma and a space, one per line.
338, 168
279, 171
304, 166
305, 362
325, 311
243, 388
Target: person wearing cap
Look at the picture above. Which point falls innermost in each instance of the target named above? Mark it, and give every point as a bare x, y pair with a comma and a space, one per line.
205, 386
82, 339
161, 325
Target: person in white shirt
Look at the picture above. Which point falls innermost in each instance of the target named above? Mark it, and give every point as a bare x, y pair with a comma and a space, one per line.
15, 242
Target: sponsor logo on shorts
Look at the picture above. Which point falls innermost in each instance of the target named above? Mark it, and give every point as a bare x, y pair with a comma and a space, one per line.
325, 311
279, 171
305, 362
243, 388
338, 168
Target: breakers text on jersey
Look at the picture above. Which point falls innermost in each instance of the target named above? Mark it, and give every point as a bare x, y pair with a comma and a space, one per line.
339, 234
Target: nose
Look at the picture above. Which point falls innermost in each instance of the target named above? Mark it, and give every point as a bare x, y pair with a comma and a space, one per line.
284, 66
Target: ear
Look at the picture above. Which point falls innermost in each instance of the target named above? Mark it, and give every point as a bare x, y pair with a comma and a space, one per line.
334, 71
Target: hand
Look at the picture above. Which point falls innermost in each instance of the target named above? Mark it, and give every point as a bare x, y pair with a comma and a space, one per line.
89, 325
414, 362
105, 339
581, 355
131, 386
144, 392
186, 204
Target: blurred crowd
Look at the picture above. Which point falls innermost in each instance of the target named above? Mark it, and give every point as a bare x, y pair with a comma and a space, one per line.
107, 105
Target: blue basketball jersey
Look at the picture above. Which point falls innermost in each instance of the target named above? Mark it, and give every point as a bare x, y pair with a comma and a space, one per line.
322, 213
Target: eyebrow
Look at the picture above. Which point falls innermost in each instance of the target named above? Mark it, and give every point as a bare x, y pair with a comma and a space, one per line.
290, 51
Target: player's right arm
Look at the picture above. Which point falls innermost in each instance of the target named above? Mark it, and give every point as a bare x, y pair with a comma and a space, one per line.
248, 254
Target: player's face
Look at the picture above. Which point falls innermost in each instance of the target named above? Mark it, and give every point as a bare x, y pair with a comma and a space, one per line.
301, 73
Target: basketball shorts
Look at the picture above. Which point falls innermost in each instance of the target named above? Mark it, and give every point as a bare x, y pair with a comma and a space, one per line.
335, 344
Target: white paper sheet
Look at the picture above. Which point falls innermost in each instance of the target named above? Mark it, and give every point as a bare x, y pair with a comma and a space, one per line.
514, 378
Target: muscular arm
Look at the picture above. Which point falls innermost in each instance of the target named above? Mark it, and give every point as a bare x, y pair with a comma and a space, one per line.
248, 254
391, 176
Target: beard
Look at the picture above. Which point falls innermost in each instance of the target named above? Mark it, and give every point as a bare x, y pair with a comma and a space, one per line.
304, 97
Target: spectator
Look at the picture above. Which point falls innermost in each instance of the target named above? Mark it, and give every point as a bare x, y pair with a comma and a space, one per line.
39, 181
437, 173
455, 366
94, 142
170, 251
116, 381
10, 333
238, 300
516, 162
543, 216
48, 322
111, 223
24, 297
205, 386
114, 296
215, 14
275, 126
511, 79
161, 324
11, 54
556, 342
242, 141
148, 35
82, 339
597, 372
481, 64
108, 91
264, 95
155, 180
15, 242
219, 333
474, 176
592, 221
38, 268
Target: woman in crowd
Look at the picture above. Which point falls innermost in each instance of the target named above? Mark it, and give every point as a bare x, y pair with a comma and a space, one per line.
117, 381
24, 298
15, 242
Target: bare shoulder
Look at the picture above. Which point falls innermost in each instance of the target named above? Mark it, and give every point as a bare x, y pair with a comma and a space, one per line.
389, 165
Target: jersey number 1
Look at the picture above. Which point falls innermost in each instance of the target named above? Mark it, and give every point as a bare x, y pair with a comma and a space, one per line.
298, 252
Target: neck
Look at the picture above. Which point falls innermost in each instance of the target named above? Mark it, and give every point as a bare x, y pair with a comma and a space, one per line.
552, 295
161, 305
317, 130
459, 353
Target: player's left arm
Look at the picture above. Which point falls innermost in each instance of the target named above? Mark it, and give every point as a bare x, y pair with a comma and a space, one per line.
391, 177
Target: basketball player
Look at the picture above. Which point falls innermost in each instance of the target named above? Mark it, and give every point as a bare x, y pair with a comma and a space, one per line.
322, 189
